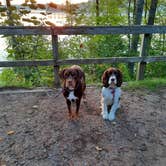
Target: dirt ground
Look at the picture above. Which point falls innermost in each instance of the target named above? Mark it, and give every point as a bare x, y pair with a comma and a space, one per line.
35, 131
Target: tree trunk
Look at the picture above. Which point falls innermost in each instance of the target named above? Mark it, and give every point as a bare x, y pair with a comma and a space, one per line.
135, 38
129, 23
11, 23
97, 12
146, 40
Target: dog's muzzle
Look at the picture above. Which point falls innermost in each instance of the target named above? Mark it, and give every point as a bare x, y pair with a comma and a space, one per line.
112, 80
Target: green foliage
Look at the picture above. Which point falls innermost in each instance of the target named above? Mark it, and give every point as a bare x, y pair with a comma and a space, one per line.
156, 69
26, 48
80, 46
9, 78
92, 46
151, 84
27, 77
124, 69
29, 47
107, 45
110, 13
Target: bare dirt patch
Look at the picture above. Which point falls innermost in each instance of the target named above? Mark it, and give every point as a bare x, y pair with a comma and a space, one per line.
35, 131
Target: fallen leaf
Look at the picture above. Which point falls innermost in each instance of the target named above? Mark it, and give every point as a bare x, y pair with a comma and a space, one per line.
98, 148
10, 132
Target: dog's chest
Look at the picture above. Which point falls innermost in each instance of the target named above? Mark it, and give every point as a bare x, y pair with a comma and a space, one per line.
108, 95
71, 96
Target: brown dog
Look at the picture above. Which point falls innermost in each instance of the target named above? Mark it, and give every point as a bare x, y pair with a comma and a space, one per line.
73, 87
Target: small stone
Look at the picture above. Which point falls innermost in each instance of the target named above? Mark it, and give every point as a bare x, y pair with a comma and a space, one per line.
30, 111
114, 123
98, 148
35, 107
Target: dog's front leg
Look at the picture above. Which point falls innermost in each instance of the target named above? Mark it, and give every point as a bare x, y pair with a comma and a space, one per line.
105, 111
77, 106
69, 108
114, 108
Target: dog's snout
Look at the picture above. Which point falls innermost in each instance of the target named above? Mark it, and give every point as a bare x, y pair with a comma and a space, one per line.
112, 79
72, 100
70, 81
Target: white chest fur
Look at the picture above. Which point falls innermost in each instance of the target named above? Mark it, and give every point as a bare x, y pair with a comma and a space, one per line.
109, 96
71, 96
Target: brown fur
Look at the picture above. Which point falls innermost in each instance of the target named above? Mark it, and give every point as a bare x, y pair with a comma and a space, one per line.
73, 80
107, 73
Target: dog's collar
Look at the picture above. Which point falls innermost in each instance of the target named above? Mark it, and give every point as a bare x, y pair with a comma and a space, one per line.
112, 90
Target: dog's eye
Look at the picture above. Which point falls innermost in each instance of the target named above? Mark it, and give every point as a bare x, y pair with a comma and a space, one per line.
72, 74
66, 75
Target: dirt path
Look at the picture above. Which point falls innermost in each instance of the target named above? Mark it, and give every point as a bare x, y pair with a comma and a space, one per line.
34, 131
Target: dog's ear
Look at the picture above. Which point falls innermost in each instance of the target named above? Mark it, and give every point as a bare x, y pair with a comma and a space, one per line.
61, 74
105, 79
80, 73
119, 78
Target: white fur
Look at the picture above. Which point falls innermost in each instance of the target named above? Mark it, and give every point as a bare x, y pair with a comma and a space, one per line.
114, 78
72, 96
109, 99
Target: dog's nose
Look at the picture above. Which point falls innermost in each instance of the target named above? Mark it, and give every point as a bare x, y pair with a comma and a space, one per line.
112, 79
70, 82
72, 100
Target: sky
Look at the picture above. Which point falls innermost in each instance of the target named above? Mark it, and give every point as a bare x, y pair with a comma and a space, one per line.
45, 1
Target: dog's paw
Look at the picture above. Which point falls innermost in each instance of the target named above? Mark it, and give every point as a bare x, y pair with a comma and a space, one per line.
111, 116
85, 101
70, 116
76, 116
105, 116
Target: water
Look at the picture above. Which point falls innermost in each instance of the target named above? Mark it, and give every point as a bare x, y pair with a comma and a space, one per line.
58, 18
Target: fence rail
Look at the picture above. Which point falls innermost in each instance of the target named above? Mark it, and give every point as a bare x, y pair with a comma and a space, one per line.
81, 30
50, 62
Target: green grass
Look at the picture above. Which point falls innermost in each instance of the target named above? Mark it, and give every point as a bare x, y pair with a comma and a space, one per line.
151, 84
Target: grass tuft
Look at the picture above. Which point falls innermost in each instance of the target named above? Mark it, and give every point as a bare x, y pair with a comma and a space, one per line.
150, 84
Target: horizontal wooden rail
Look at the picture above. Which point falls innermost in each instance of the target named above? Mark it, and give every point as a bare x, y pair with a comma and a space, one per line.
21, 63
54, 31
80, 30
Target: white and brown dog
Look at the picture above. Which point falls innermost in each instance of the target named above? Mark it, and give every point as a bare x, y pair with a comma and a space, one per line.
111, 92
73, 87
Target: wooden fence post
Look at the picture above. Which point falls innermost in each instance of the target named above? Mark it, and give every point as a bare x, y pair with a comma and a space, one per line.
55, 56
146, 40
144, 53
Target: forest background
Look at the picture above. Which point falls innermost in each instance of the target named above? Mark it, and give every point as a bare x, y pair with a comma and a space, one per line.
96, 13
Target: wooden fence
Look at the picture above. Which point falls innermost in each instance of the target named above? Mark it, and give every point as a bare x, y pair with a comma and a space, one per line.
82, 30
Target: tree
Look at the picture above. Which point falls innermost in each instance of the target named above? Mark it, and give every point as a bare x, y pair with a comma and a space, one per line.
25, 47
147, 40
138, 10
97, 12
